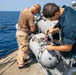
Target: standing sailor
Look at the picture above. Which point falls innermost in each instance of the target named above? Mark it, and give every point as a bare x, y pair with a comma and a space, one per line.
25, 24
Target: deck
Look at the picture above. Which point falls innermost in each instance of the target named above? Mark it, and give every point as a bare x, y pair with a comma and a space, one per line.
8, 66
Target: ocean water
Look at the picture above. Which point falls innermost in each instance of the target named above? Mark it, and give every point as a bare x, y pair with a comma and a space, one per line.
8, 20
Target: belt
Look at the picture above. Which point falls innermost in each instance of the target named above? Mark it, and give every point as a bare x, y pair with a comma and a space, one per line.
23, 30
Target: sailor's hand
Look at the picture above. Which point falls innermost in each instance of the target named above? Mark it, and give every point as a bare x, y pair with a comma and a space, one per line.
48, 31
48, 47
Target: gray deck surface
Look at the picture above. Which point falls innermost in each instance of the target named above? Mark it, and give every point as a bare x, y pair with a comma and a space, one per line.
8, 66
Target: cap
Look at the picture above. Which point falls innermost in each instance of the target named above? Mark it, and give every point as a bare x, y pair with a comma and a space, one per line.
38, 7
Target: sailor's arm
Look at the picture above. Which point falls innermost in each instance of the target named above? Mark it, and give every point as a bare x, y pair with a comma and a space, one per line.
55, 30
62, 48
32, 28
32, 24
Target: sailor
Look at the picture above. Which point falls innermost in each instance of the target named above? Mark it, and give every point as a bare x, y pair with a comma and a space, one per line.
25, 24
66, 27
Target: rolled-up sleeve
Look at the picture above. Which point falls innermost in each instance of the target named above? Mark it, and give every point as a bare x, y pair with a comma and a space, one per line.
68, 41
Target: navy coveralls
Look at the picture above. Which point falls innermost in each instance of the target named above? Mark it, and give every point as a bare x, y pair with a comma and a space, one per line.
67, 26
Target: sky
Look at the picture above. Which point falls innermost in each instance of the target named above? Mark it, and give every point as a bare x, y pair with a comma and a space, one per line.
18, 5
